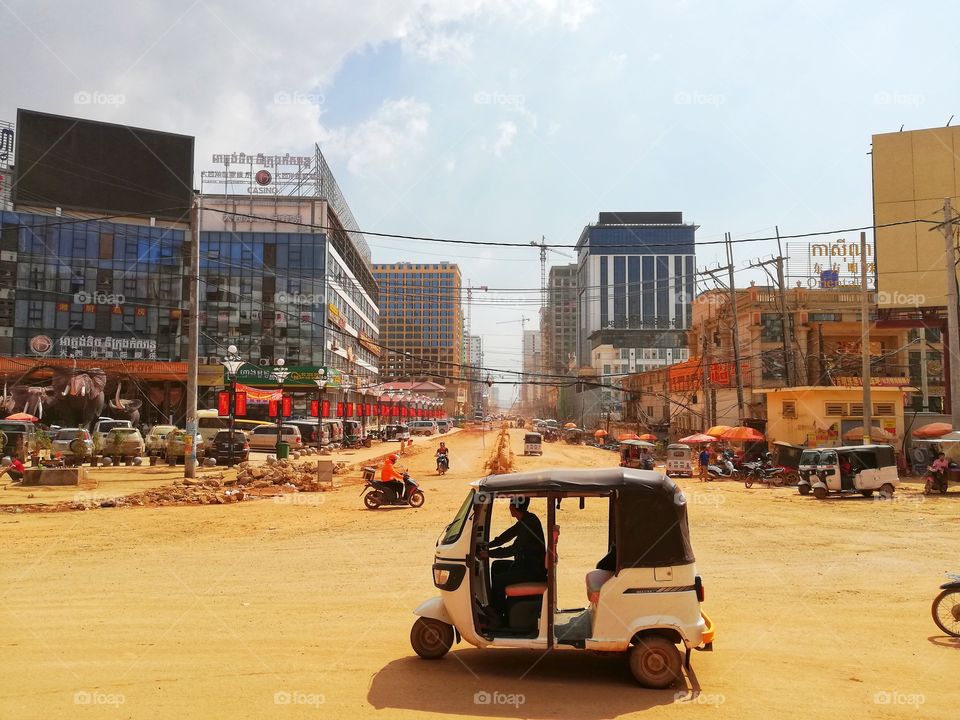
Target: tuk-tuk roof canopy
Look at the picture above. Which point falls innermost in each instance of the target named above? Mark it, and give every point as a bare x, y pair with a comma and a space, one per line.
579, 480
637, 443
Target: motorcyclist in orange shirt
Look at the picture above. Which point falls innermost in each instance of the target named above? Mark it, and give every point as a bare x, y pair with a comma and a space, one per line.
392, 478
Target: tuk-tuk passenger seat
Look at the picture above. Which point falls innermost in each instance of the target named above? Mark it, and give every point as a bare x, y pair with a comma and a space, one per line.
595, 580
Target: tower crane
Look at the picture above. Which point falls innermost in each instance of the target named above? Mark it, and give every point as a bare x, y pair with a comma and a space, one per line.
543, 266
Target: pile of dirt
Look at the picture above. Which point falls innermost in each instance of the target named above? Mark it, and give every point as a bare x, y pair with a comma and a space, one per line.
501, 460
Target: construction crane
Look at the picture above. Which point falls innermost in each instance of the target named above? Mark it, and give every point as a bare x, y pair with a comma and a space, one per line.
543, 266
523, 322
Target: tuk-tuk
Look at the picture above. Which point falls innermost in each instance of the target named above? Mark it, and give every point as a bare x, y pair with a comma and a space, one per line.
633, 455
679, 460
573, 436
787, 456
532, 444
646, 601
871, 468
807, 468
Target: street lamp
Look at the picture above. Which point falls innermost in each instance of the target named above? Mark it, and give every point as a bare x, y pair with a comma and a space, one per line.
232, 362
280, 373
321, 384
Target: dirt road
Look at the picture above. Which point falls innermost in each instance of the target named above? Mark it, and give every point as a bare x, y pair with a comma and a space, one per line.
302, 608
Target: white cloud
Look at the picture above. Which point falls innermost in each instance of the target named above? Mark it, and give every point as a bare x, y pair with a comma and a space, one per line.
506, 132
574, 12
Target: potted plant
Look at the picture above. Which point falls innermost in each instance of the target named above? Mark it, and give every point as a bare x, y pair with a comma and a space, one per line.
97, 449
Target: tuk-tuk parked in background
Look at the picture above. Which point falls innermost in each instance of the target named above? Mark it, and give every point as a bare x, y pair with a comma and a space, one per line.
532, 444
679, 460
573, 436
787, 456
636, 454
860, 469
807, 469
645, 600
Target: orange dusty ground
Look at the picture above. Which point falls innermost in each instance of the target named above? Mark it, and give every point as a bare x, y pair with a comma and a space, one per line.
301, 607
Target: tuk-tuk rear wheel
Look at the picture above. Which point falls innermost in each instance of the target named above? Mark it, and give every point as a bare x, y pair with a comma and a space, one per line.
819, 493
655, 662
431, 639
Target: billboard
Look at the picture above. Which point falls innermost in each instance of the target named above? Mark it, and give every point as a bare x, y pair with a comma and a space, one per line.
100, 167
830, 264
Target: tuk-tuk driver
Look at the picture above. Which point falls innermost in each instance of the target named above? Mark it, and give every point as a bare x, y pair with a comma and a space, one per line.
528, 552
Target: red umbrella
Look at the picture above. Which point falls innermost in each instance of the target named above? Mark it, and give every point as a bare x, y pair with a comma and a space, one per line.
22, 417
629, 436
600, 433
649, 437
697, 439
933, 430
742, 433
717, 430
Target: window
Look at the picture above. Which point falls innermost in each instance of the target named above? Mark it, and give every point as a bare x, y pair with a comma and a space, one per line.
789, 409
771, 329
856, 409
884, 410
835, 409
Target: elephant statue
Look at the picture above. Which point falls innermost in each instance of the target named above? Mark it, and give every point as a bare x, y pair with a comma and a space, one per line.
77, 395
124, 409
26, 399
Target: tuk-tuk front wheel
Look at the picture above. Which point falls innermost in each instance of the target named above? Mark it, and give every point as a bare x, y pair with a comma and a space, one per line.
655, 662
804, 489
819, 493
886, 491
431, 639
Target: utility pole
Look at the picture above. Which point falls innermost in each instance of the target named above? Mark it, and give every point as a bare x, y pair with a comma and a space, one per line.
953, 323
865, 343
705, 365
193, 343
786, 323
735, 321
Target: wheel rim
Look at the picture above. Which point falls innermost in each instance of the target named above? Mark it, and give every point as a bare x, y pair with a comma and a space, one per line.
947, 612
416, 500
371, 500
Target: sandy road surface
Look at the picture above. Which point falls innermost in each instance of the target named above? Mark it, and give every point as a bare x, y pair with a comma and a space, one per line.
302, 608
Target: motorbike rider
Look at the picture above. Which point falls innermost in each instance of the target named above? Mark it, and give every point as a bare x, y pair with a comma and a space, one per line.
392, 478
443, 452
938, 468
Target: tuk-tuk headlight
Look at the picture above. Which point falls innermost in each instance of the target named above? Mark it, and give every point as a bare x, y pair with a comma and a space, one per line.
447, 576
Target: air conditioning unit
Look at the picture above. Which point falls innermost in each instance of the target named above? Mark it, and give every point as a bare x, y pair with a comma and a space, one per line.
6, 332
201, 360
213, 360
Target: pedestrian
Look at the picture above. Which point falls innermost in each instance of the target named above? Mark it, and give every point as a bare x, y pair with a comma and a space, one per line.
15, 470
704, 463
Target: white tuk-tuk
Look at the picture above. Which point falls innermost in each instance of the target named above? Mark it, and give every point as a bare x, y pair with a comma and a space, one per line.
860, 469
533, 443
678, 460
646, 601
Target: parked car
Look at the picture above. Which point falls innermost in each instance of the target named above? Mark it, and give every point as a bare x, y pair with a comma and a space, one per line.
176, 442
156, 439
423, 427
123, 442
103, 426
20, 438
444, 426
73, 444
265, 437
219, 447
308, 431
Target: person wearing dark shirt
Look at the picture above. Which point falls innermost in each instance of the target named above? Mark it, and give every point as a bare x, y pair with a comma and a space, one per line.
528, 552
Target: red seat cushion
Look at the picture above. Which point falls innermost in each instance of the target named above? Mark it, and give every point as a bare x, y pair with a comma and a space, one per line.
526, 589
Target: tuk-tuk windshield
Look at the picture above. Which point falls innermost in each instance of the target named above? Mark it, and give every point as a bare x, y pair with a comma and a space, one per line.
452, 532
828, 457
532, 438
810, 457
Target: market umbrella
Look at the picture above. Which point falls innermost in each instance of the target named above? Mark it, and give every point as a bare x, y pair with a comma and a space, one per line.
649, 437
876, 433
953, 437
697, 439
22, 417
567, 426
717, 430
741, 433
600, 433
933, 430
629, 436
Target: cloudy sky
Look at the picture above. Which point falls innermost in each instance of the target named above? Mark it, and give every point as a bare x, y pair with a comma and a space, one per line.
508, 120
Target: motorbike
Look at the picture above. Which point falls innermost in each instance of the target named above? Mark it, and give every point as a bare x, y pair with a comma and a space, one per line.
935, 482
758, 472
724, 469
946, 606
376, 493
443, 464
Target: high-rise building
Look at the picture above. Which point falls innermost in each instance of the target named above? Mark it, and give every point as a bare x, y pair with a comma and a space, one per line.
531, 393
559, 321
421, 322
474, 374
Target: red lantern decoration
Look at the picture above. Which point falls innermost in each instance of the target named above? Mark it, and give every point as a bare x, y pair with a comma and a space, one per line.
349, 409
325, 408
273, 408
314, 408
404, 411
240, 404
223, 403
339, 409
395, 411
287, 406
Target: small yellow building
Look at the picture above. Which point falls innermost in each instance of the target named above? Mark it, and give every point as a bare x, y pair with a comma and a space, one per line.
822, 416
